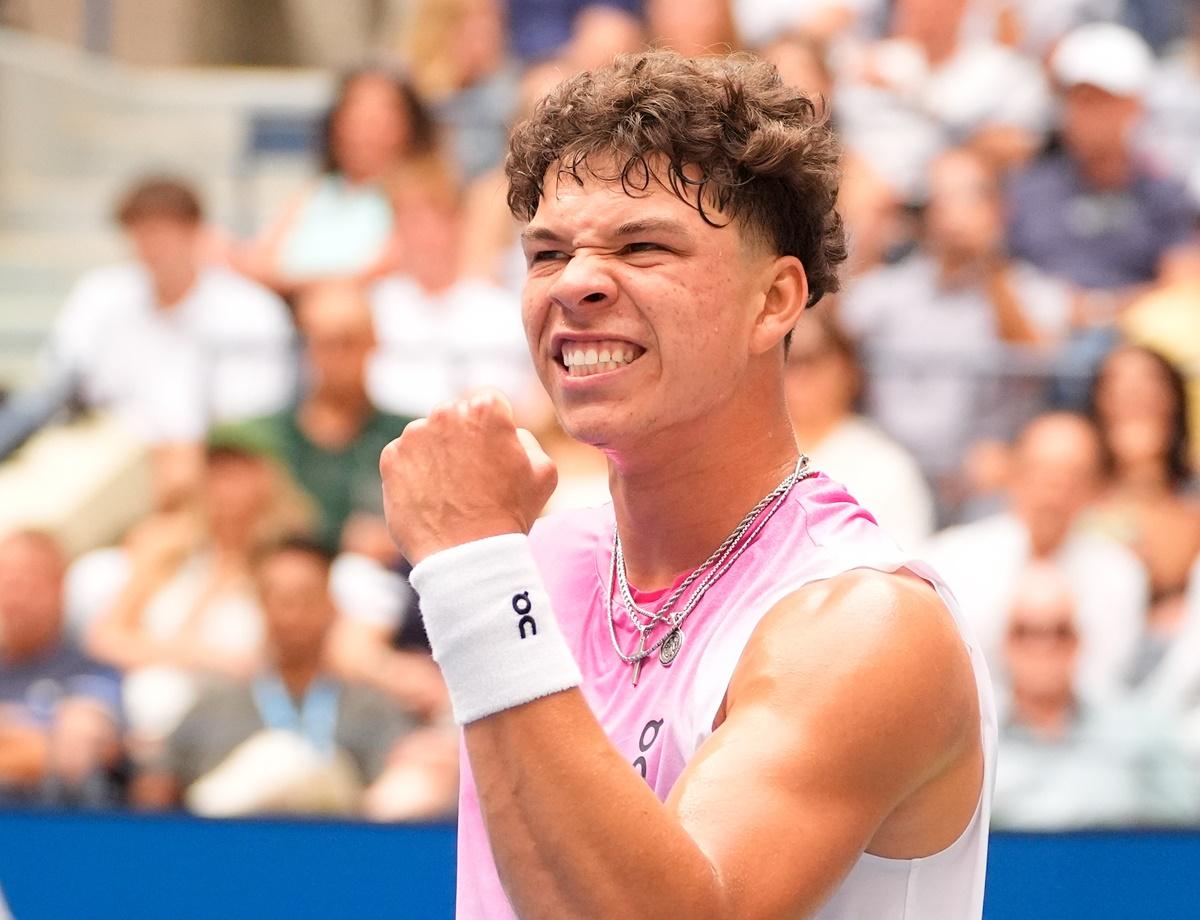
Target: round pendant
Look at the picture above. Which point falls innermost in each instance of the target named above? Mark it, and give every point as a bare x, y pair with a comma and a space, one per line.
670, 647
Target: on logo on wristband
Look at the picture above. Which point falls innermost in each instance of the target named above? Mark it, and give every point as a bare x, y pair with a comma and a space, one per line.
522, 607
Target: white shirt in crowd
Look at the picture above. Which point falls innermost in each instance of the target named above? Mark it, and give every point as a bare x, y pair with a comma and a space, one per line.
156, 697
935, 354
982, 563
435, 347
1175, 683
223, 352
881, 475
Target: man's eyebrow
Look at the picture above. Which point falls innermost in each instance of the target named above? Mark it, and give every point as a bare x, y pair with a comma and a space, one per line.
651, 225
544, 234
629, 228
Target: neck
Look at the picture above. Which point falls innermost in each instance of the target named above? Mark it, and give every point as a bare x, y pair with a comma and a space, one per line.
1109, 170
170, 287
1143, 478
1045, 541
675, 508
298, 676
957, 268
233, 540
1048, 715
334, 419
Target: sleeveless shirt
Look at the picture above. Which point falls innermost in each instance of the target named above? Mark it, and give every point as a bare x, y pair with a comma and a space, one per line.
818, 532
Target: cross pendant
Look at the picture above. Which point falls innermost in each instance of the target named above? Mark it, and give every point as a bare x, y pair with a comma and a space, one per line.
637, 665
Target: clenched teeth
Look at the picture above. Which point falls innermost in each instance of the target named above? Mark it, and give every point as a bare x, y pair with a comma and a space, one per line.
585, 358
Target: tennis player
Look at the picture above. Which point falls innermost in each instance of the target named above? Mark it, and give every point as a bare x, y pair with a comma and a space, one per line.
727, 695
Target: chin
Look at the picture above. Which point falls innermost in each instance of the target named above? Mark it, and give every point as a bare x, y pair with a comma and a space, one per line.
597, 426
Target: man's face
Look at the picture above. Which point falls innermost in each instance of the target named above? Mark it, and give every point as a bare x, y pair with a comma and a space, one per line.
165, 245
30, 594
1097, 123
294, 593
1042, 645
338, 335
963, 218
669, 300
1057, 476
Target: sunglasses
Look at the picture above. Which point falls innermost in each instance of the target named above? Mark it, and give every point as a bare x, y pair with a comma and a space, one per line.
1056, 632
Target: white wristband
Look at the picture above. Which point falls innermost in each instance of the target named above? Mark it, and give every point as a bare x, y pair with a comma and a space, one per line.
489, 622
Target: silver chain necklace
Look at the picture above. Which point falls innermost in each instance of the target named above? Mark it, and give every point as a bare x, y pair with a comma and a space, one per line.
707, 573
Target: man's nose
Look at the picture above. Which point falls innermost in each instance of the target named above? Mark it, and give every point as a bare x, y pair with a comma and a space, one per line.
583, 284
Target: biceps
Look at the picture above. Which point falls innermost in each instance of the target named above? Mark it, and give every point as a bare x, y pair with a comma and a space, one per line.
781, 821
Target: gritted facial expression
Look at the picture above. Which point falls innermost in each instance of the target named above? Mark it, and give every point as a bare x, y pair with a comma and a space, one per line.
639, 314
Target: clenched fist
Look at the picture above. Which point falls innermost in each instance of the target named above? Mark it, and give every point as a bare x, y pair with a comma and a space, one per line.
464, 473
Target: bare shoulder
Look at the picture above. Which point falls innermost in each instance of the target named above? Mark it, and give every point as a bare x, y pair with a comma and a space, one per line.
872, 658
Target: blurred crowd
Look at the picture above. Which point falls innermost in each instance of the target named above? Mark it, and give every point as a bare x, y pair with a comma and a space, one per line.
1007, 379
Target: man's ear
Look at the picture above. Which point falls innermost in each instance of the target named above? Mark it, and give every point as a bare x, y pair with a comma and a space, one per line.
784, 300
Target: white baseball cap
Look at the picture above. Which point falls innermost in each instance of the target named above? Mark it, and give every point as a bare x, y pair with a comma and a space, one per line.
1105, 55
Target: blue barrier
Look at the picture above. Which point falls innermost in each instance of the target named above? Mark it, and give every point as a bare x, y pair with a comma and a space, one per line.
61, 866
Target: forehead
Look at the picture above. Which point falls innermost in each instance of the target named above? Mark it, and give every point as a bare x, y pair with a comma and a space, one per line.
593, 198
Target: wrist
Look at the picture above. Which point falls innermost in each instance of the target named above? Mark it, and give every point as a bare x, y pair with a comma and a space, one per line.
489, 622
468, 532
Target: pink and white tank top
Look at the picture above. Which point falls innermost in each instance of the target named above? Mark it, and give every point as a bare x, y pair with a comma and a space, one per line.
819, 532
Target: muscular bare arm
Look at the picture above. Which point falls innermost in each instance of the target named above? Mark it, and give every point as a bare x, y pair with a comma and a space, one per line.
850, 723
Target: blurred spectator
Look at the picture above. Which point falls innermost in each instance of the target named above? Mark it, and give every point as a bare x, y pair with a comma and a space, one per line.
933, 325
1091, 213
295, 739
694, 28
441, 335
542, 29
762, 22
1140, 407
456, 49
1172, 129
378, 142
600, 32
59, 710
185, 605
1159, 22
1166, 320
379, 640
168, 342
1056, 474
329, 443
802, 65
1065, 762
421, 782
490, 249
942, 77
823, 383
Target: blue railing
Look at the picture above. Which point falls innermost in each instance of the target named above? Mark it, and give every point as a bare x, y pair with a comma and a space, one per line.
57, 866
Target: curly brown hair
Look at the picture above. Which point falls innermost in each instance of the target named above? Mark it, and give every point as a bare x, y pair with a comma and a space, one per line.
723, 132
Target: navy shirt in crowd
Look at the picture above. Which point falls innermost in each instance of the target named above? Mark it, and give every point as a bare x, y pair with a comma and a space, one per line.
1091, 237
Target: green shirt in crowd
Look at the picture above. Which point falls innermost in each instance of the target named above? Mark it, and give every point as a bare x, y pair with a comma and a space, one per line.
340, 482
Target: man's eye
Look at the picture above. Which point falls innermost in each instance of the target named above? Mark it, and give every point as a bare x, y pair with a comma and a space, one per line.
548, 255
643, 247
